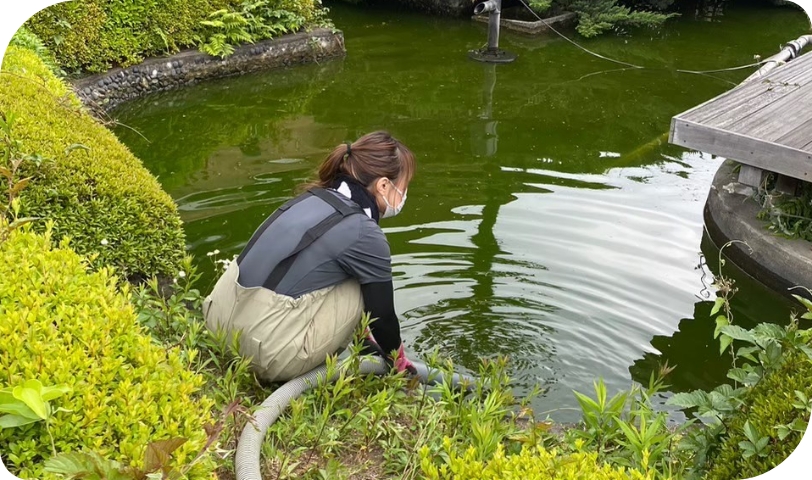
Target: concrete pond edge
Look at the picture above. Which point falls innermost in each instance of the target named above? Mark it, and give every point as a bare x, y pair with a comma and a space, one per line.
730, 214
546, 25
114, 87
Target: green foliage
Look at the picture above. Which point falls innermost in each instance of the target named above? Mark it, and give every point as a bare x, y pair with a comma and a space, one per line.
173, 315
95, 191
67, 326
157, 464
598, 16
25, 38
95, 35
363, 425
256, 20
788, 215
627, 431
12, 159
540, 6
770, 423
755, 424
28, 403
535, 463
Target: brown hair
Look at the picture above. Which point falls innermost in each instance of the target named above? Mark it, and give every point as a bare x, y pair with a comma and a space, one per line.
375, 155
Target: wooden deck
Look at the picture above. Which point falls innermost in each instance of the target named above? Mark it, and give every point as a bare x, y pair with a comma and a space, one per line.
765, 123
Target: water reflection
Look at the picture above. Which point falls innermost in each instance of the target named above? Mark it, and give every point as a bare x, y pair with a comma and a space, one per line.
548, 220
484, 322
692, 348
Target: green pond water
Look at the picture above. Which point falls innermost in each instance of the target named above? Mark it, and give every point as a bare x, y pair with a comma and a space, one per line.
548, 221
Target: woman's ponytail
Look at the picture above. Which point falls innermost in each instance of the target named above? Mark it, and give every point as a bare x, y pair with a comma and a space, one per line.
332, 166
372, 156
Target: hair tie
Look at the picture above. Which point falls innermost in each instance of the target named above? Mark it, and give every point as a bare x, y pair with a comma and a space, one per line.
349, 148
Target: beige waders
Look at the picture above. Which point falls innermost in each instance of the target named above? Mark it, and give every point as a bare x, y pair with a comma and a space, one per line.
284, 336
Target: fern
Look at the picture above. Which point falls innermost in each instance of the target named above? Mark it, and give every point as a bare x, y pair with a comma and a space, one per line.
256, 20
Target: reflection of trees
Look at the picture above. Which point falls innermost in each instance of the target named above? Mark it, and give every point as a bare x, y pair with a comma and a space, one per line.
184, 127
692, 348
487, 323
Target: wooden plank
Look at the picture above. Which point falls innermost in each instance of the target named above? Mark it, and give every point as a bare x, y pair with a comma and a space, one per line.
775, 120
744, 93
799, 137
788, 185
744, 149
798, 71
779, 93
751, 176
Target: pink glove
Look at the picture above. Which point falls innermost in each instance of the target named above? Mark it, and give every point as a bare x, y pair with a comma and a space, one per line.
402, 363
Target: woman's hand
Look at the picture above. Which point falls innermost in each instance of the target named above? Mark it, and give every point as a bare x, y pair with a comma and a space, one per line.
402, 363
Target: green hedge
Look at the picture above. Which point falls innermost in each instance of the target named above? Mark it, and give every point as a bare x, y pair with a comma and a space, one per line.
95, 190
767, 405
535, 463
61, 324
95, 35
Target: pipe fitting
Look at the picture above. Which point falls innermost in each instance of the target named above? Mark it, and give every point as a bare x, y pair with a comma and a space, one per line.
491, 6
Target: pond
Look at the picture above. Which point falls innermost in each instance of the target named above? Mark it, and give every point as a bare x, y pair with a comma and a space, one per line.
549, 219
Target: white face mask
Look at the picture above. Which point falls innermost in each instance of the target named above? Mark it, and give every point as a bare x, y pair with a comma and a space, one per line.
390, 210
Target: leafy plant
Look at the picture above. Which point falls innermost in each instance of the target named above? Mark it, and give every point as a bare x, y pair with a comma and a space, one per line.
788, 215
255, 20
67, 326
25, 38
12, 159
229, 28
95, 35
598, 16
96, 192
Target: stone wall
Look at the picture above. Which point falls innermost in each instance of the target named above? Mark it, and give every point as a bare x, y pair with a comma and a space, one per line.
456, 8
565, 20
114, 87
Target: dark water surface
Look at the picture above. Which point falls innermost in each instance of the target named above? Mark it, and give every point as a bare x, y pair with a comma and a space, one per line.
548, 220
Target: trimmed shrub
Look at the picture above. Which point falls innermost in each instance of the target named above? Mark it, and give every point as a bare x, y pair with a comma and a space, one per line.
767, 405
25, 38
95, 35
95, 190
532, 463
61, 324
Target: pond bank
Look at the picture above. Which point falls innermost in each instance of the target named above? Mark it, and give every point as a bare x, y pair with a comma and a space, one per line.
731, 214
108, 90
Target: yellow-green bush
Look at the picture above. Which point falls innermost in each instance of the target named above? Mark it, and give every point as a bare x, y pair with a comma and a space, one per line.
766, 406
531, 464
94, 35
95, 190
62, 324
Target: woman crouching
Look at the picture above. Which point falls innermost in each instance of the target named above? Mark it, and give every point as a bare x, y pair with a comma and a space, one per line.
299, 288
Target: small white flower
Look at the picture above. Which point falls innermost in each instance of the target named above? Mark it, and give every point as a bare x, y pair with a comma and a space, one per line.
181, 274
104, 241
209, 254
216, 252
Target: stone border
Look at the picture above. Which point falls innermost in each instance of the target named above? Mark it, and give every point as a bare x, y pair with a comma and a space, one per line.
114, 87
730, 214
565, 20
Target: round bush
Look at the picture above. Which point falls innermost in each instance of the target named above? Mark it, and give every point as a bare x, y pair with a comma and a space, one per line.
62, 324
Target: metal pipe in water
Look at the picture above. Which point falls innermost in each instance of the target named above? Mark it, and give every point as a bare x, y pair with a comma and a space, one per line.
494, 10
